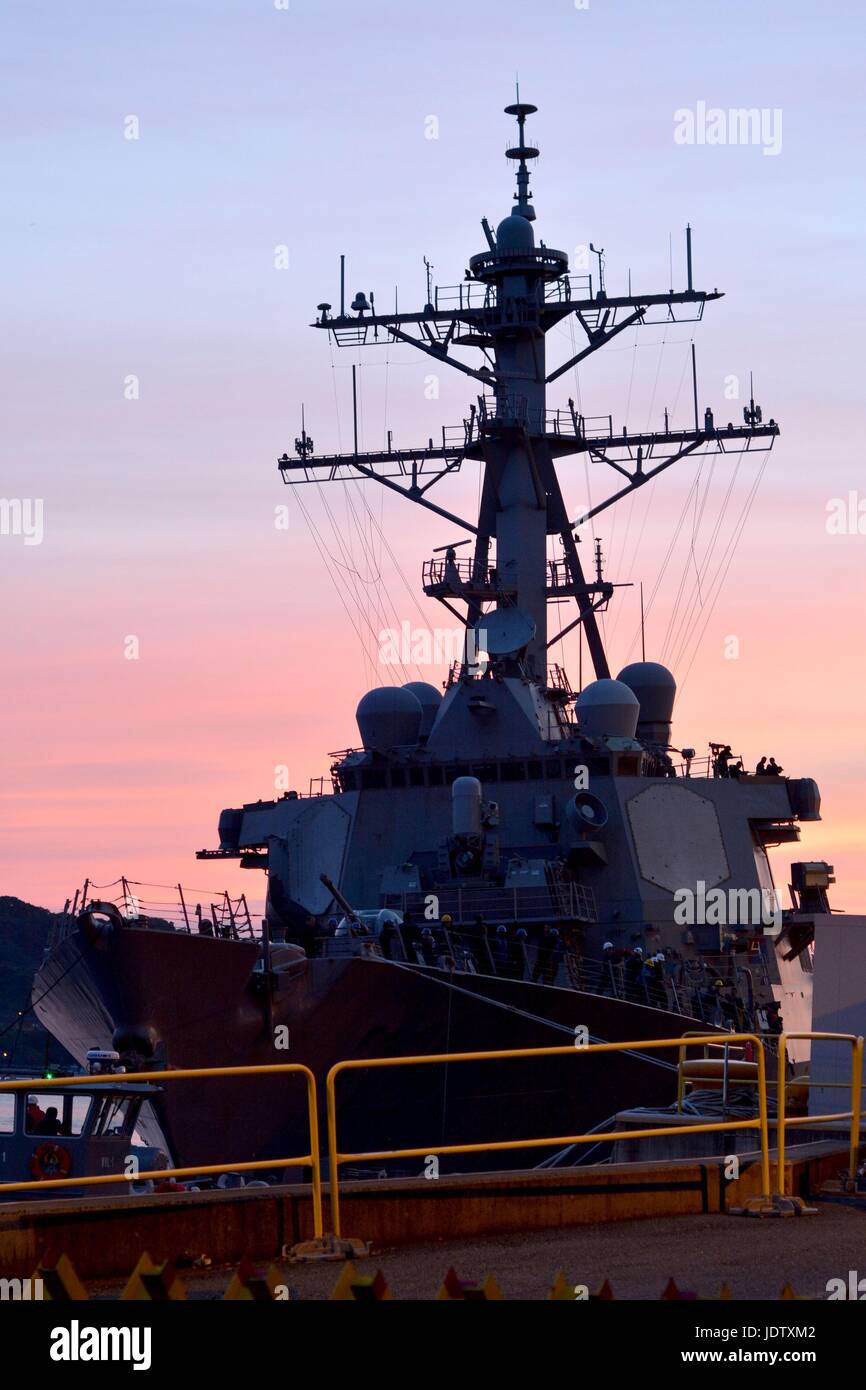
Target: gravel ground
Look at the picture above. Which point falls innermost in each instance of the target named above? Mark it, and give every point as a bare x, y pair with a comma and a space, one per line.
754, 1256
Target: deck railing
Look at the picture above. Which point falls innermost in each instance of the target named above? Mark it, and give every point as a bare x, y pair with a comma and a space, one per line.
194, 911
337, 1157
311, 1159
853, 1115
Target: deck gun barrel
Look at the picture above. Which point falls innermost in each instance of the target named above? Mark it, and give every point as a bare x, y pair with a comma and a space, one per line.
338, 897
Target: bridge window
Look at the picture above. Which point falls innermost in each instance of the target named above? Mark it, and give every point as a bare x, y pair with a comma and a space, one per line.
513, 772
7, 1112
373, 779
115, 1115
44, 1114
485, 772
79, 1111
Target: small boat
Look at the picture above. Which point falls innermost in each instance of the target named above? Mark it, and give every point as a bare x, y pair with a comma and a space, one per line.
89, 1129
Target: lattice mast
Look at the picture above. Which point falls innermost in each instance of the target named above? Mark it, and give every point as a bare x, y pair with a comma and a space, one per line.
513, 293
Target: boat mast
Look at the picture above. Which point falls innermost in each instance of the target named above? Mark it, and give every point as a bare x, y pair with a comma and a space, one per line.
513, 293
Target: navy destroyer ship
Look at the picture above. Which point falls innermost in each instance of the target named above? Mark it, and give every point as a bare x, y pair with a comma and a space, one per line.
499, 863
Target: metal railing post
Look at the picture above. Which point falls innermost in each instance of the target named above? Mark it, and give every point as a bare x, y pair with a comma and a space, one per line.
783, 1124
781, 1098
764, 1128
333, 1160
313, 1108
856, 1090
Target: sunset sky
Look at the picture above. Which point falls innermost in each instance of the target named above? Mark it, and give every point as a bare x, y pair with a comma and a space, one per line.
159, 259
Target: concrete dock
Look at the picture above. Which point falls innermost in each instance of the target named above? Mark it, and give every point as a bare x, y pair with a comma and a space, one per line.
104, 1236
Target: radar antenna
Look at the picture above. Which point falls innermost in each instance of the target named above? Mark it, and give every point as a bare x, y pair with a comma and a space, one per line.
512, 294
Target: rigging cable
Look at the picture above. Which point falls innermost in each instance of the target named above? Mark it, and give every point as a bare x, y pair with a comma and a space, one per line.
733, 546
377, 527
323, 554
692, 615
663, 568
525, 1013
631, 501
362, 590
651, 492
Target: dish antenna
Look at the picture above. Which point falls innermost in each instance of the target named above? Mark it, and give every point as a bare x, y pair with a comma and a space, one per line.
504, 632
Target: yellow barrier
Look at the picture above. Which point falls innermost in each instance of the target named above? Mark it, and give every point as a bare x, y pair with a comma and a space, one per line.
312, 1158
760, 1122
782, 1121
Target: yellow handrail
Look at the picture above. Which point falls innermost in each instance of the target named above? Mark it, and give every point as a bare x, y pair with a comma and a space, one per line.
782, 1121
336, 1158
312, 1158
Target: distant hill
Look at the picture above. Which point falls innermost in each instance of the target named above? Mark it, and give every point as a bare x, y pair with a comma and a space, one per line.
23, 937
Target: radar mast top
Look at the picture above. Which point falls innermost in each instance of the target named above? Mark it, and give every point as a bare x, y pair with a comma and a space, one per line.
512, 294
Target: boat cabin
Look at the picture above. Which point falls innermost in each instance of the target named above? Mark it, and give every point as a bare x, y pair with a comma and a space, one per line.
86, 1130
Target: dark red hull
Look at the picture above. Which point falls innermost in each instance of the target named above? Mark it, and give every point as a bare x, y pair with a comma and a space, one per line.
197, 1002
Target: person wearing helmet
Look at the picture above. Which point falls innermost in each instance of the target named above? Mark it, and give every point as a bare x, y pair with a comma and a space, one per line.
661, 980
548, 954
633, 970
608, 971
499, 950
443, 934
517, 954
654, 979
556, 953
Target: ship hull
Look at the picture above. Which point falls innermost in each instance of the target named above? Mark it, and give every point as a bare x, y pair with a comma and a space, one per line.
197, 1002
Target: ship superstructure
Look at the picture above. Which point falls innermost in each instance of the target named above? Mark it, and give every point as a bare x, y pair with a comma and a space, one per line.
519, 799
500, 854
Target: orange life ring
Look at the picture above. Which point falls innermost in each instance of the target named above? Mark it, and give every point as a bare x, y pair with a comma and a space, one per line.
50, 1161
